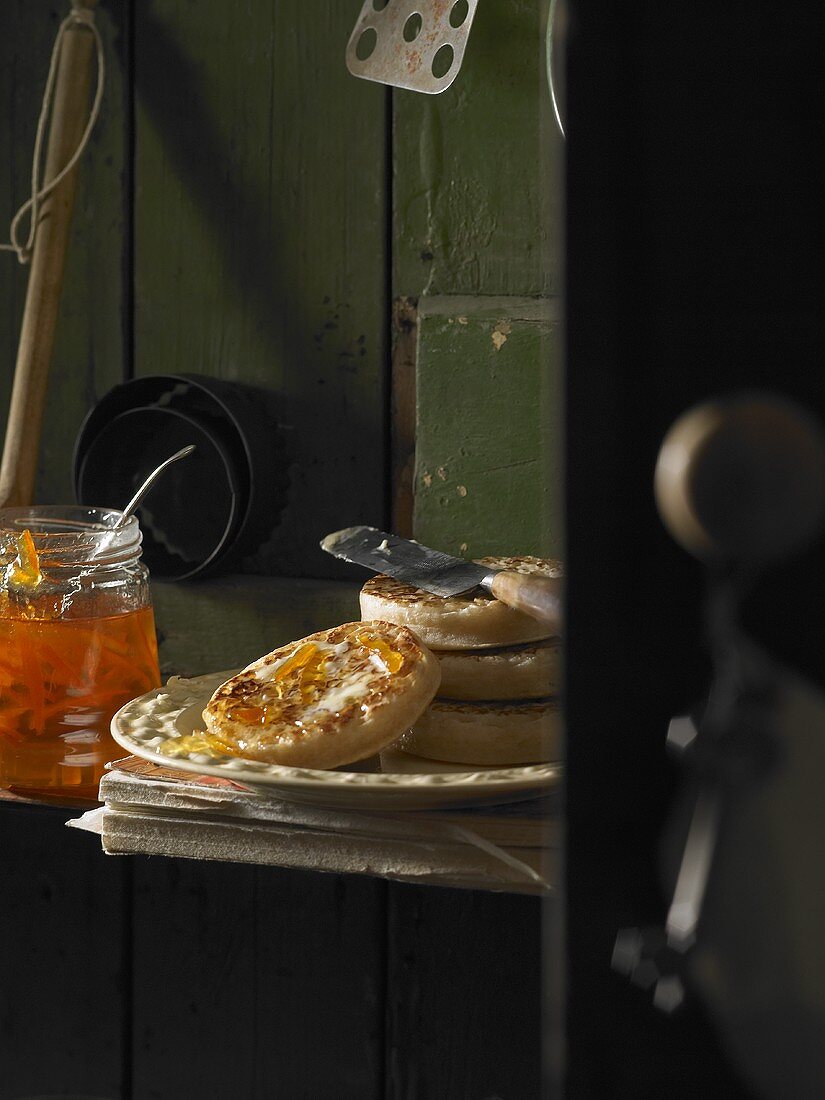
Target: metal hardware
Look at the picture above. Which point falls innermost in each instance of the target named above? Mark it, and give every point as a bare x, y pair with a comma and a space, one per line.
414, 44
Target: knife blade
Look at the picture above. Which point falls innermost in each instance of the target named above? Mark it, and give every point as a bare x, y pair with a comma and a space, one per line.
443, 575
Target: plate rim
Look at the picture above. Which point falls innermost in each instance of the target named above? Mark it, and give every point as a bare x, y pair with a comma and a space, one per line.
518, 777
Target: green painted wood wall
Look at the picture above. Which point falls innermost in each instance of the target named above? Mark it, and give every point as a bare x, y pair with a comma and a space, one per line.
475, 210
231, 221
488, 425
260, 240
477, 240
248, 210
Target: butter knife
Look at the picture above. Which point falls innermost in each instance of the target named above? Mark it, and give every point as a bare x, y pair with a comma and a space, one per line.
443, 575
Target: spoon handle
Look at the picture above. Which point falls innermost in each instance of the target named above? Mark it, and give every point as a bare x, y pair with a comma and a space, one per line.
150, 481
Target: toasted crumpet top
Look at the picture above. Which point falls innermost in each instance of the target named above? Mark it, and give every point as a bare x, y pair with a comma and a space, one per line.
332, 698
472, 619
391, 589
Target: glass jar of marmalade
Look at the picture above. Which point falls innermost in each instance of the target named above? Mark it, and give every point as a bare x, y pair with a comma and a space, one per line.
77, 641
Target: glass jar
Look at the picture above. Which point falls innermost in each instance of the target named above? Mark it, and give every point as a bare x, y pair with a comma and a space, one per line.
77, 641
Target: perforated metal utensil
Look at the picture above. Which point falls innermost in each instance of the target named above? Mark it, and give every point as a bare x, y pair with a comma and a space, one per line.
415, 44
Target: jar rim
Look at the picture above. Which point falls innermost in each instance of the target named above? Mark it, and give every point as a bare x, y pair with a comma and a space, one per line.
72, 535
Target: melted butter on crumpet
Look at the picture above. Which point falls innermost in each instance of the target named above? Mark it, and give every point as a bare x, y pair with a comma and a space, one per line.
313, 683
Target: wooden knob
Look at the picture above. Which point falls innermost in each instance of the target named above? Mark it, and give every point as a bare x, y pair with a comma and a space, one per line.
743, 478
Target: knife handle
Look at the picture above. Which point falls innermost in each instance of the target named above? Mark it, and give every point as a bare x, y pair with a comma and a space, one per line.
537, 596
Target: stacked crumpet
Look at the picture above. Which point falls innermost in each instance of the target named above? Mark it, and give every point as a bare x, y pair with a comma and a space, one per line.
499, 670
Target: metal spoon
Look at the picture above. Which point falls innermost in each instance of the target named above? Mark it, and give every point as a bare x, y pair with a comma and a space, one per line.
149, 482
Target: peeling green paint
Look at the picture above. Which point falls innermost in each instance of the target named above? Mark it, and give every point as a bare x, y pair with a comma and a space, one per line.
488, 477
477, 236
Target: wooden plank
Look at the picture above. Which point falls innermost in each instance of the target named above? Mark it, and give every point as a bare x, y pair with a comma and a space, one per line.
477, 169
261, 251
64, 994
257, 983
463, 1012
477, 211
89, 351
402, 426
64, 990
489, 426
208, 626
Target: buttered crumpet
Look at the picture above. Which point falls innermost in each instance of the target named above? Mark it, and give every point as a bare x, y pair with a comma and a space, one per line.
332, 698
471, 620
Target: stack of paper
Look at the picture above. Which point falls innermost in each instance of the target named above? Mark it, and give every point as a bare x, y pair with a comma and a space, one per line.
157, 811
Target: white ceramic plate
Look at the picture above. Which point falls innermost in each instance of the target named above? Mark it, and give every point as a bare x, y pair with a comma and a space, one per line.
145, 724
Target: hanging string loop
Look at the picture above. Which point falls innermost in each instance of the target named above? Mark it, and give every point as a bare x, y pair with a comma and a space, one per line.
77, 17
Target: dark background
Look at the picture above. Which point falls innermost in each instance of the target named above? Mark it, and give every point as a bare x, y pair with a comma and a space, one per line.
694, 252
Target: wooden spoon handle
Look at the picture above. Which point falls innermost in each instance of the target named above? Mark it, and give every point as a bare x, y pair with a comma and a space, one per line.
69, 114
536, 596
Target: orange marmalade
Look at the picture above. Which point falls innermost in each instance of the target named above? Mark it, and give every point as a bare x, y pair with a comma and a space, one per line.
77, 641
299, 679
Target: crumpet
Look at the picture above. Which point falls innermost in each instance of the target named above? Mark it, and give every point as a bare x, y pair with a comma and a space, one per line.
517, 732
333, 698
529, 671
468, 621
